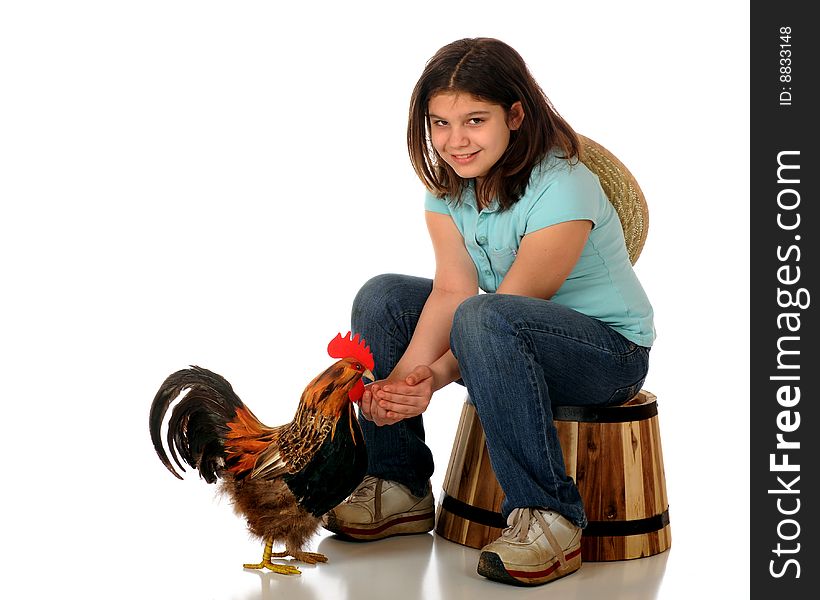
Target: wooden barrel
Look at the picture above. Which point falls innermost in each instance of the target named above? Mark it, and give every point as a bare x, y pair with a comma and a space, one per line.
613, 454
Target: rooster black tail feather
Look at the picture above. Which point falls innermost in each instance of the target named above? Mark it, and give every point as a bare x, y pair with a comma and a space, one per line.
198, 423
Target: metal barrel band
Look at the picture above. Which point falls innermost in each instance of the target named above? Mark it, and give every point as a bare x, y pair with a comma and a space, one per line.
624, 528
482, 516
606, 414
491, 518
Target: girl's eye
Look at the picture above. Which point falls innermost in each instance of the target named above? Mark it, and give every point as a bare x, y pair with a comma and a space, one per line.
440, 123
475, 121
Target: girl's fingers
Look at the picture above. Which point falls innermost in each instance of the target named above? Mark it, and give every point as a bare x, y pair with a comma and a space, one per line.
418, 375
383, 416
393, 409
397, 400
412, 399
370, 408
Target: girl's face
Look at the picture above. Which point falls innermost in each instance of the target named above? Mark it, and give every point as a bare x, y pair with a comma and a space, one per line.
469, 134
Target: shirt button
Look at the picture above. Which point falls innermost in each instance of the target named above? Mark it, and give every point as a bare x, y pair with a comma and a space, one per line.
482, 240
487, 272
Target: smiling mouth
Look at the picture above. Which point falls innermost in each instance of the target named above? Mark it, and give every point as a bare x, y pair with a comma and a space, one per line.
464, 157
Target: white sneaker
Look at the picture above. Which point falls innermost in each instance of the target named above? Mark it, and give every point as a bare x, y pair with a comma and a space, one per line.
537, 546
378, 509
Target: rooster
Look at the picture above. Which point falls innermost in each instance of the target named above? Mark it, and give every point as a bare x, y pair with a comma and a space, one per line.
281, 479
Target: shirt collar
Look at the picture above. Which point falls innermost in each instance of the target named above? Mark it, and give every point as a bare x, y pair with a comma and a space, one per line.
468, 197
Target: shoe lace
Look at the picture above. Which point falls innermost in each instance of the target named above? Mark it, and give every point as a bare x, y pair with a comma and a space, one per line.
518, 529
366, 488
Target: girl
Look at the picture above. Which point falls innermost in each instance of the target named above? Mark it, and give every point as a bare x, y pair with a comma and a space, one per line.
510, 211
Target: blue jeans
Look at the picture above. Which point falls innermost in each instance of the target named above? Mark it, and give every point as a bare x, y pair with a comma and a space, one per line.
518, 357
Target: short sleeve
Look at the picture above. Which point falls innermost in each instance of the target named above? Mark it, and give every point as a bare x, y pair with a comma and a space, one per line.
433, 204
573, 195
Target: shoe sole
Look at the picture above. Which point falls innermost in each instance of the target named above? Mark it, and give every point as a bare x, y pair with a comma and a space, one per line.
403, 524
492, 567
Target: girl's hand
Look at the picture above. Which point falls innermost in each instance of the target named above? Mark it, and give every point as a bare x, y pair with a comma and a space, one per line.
397, 400
370, 408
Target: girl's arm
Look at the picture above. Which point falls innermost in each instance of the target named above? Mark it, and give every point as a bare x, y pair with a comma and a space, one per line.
428, 365
455, 280
545, 259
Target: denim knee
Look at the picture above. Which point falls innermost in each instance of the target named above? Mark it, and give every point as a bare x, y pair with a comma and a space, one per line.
479, 320
371, 301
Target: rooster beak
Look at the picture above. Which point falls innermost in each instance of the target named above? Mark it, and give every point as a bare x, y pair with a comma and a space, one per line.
369, 375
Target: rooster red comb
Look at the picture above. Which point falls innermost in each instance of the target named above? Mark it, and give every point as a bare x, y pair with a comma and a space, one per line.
347, 347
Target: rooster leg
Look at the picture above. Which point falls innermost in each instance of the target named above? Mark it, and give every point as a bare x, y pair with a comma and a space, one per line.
266, 563
310, 558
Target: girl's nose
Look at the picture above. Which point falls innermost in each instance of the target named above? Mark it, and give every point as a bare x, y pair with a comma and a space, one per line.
458, 137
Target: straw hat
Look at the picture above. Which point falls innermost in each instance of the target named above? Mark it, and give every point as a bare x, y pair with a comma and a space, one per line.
623, 192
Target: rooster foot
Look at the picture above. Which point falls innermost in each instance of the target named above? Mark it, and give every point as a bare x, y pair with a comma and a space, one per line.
281, 569
310, 558
267, 564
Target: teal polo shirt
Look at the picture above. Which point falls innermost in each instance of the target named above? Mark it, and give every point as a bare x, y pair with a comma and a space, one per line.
602, 284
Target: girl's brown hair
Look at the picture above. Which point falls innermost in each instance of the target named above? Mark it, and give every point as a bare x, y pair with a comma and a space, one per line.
491, 71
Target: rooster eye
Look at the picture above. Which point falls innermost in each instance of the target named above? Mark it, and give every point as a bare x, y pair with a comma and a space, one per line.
358, 366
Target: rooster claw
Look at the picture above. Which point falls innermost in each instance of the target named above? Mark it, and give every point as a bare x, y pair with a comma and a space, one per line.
310, 558
281, 569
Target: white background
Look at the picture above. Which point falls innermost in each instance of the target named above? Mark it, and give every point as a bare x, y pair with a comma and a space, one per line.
210, 183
